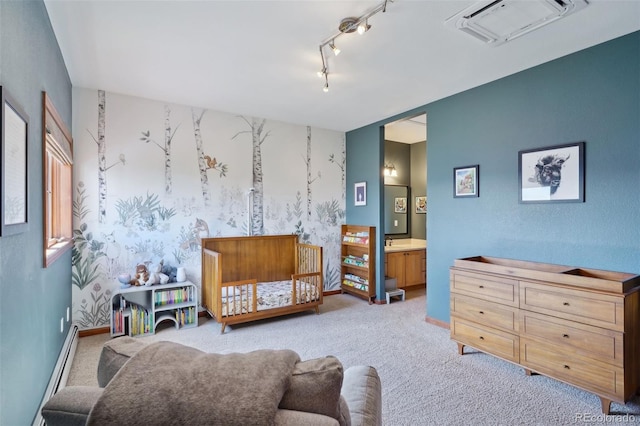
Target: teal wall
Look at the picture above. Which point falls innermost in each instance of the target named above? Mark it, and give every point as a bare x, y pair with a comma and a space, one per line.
592, 96
365, 156
32, 299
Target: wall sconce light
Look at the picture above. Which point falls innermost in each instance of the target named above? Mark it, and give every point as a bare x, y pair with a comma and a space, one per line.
390, 170
347, 25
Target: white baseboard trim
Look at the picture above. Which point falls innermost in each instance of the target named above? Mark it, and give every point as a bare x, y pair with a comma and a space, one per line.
60, 371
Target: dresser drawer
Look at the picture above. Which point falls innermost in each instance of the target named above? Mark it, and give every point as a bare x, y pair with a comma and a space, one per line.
485, 287
574, 338
598, 377
492, 341
592, 308
487, 313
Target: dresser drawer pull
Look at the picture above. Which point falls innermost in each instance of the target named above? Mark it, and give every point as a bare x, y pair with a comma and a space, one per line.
480, 286
567, 367
566, 336
481, 312
566, 303
481, 338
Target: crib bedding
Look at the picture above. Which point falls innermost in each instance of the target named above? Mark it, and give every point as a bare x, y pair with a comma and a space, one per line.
275, 294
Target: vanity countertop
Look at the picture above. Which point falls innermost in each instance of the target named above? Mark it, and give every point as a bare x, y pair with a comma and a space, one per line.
406, 244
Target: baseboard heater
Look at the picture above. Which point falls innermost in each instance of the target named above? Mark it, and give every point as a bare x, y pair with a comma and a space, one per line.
60, 371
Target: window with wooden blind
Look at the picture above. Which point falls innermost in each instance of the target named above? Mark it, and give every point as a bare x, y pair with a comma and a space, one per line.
57, 183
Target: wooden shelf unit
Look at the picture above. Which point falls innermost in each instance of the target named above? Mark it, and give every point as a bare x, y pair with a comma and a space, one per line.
580, 326
358, 264
137, 310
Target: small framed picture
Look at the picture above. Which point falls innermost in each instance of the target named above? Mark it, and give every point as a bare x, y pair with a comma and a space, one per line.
554, 174
421, 204
400, 205
360, 191
14, 161
466, 181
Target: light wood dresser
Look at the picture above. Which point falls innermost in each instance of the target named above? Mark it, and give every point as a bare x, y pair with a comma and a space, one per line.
580, 326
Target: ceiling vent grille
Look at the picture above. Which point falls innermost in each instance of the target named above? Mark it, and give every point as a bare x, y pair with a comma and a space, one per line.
496, 22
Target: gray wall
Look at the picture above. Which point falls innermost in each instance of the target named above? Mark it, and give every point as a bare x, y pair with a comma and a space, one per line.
410, 161
418, 188
32, 299
398, 154
592, 96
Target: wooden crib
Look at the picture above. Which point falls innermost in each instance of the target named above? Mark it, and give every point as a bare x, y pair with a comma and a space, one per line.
249, 278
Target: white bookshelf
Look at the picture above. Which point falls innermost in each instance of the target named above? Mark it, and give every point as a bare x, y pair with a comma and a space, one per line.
137, 310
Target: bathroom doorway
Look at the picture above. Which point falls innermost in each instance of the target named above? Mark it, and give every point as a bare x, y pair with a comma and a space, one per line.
405, 216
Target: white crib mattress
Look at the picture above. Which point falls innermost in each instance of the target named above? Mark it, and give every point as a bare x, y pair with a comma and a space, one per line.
271, 295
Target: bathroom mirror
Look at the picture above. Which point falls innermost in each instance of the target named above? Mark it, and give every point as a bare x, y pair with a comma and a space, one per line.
396, 209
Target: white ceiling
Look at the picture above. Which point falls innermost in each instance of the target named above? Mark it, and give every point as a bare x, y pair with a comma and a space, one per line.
408, 130
260, 58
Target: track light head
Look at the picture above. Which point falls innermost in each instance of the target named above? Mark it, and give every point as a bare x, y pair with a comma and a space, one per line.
322, 73
333, 47
363, 27
325, 89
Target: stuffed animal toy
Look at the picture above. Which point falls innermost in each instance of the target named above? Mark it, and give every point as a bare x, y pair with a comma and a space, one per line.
154, 274
171, 272
164, 278
141, 276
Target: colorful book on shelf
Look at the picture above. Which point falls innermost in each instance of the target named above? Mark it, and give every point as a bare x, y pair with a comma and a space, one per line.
356, 278
359, 286
170, 297
185, 316
354, 260
140, 320
358, 238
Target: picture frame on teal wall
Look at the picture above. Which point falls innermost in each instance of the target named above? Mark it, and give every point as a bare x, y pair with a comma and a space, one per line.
466, 181
360, 193
421, 204
14, 125
553, 174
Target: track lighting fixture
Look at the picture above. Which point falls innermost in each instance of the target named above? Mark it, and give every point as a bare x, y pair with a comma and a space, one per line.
347, 25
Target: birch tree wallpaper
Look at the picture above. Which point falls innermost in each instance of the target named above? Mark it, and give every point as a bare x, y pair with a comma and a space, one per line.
152, 178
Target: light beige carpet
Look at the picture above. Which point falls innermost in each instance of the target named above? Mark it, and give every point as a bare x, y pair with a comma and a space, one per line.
424, 380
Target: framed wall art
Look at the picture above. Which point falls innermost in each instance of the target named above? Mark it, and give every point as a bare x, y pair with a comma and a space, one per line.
400, 205
14, 124
466, 181
553, 174
421, 204
360, 191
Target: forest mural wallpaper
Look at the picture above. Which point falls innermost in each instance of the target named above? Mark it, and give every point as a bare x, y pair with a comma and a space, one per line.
151, 179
